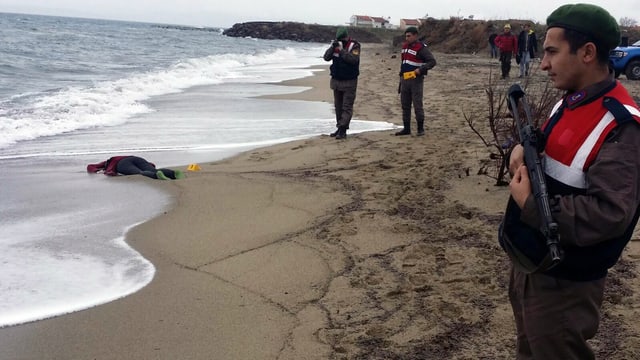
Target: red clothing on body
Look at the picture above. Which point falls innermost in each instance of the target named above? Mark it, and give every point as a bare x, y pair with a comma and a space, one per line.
109, 166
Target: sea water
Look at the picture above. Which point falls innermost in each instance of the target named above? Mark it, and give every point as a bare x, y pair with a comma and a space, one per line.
78, 91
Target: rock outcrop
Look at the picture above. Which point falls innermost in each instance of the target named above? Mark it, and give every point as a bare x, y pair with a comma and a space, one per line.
296, 32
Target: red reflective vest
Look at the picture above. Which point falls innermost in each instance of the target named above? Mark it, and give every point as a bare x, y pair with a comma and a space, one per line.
575, 141
410, 59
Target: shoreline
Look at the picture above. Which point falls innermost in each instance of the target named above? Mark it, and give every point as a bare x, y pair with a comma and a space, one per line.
317, 83
373, 246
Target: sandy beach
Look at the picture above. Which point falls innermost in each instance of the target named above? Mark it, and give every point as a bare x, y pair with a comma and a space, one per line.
376, 247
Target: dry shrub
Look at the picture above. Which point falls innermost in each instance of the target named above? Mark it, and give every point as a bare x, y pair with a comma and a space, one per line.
497, 129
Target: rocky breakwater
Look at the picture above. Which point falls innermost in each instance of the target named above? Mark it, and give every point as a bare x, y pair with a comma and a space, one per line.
296, 32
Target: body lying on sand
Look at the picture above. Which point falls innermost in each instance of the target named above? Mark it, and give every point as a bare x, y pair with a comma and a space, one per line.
133, 165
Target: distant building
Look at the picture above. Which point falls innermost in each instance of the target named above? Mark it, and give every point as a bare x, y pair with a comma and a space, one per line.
361, 21
405, 23
380, 22
369, 21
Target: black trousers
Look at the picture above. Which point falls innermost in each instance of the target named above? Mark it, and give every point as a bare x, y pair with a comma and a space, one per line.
134, 165
505, 63
411, 93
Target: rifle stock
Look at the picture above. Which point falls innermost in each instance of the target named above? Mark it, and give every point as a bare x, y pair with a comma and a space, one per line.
530, 141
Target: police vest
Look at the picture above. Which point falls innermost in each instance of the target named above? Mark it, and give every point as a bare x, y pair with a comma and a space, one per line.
410, 59
571, 147
342, 70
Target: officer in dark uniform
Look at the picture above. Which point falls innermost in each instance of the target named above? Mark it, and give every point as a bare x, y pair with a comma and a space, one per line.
591, 166
344, 53
416, 61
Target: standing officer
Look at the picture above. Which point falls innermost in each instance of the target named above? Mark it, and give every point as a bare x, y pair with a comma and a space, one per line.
345, 53
417, 60
592, 168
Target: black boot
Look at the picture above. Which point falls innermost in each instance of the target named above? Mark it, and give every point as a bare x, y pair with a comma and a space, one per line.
333, 134
406, 124
341, 133
420, 128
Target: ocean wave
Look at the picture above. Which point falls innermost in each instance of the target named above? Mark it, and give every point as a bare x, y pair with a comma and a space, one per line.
110, 103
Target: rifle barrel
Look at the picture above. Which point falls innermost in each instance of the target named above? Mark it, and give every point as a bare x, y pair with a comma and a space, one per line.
529, 141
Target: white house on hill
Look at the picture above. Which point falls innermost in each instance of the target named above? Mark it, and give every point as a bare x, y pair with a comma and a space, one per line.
368, 21
405, 23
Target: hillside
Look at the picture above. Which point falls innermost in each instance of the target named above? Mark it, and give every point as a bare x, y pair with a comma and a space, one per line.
469, 36
452, 35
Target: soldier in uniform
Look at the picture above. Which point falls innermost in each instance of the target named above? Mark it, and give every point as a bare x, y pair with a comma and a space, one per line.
417, 60
591, 165
344, 53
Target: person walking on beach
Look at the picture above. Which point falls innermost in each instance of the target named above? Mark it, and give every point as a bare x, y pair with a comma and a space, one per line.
592, 168
133, 165
417, 60
344, 53
527, 48
508, 45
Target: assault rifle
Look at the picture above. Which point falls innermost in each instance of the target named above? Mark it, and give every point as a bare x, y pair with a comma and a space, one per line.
533, 145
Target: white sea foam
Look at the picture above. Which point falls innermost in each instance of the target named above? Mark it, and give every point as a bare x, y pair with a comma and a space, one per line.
88, 281
110, 103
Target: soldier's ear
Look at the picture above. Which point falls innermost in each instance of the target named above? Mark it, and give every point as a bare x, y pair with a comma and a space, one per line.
589, 53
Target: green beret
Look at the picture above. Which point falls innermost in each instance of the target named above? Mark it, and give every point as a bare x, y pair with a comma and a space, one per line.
588, 19
411, 29
341, 33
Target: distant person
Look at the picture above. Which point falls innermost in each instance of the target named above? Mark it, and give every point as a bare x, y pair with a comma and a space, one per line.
527, 48
417, 60
591, 163
508, 45
344, 53
133, 165
492, 45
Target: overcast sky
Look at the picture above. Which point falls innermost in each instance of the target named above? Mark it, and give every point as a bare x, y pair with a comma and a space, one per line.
329, 12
